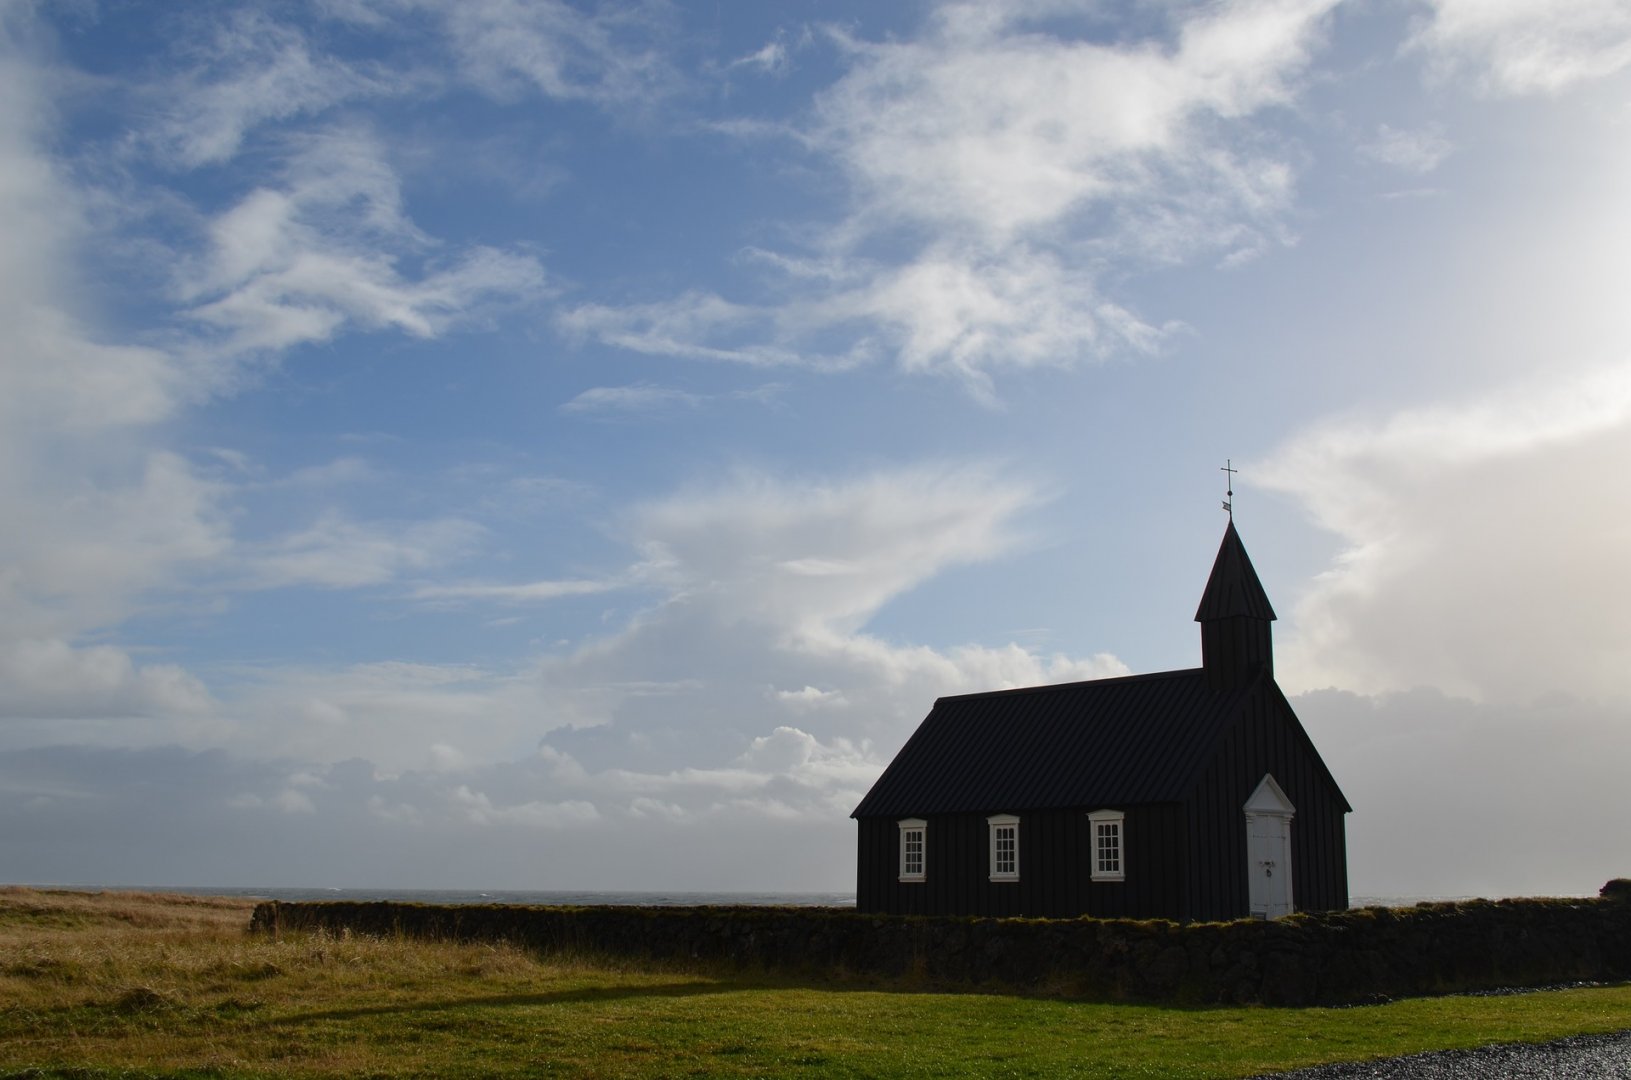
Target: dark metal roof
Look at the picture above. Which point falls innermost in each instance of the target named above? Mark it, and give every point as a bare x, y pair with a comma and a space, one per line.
1138, 739
1233, 588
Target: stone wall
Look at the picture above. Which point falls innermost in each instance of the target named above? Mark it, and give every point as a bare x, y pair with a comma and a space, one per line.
1327, 958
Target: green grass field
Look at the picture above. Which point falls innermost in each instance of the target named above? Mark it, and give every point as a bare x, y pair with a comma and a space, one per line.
132, 985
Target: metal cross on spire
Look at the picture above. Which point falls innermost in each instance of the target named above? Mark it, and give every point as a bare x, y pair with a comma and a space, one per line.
1230, 470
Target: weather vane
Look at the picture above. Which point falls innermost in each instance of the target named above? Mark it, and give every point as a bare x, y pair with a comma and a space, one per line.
1229, 503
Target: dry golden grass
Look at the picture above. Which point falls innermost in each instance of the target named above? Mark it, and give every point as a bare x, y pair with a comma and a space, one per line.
59, 948
176, 985
21, 906
128, 985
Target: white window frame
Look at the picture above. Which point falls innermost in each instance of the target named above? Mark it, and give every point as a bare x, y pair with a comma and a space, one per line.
921, 828
1105, 818
995, 824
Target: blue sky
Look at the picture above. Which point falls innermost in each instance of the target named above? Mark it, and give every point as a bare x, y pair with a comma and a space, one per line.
545, 445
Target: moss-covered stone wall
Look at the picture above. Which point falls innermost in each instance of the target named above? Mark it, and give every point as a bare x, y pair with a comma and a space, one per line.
1328, 958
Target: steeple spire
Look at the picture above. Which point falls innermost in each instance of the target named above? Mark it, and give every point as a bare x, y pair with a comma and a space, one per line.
1234, 615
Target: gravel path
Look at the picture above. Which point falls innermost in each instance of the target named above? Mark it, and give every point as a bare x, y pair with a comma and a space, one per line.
1578, 1057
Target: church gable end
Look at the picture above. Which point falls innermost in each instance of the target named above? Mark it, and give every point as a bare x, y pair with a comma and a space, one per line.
1114, 797
1266, 741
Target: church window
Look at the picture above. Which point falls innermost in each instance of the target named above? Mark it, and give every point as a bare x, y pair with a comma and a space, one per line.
1107, 855
1004, 847
914, 834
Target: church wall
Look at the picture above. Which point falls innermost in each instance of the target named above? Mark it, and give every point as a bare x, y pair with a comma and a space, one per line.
1328, 959
1267, 739
1055, 878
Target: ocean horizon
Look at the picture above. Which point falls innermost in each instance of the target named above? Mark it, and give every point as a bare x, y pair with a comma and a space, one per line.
570, 897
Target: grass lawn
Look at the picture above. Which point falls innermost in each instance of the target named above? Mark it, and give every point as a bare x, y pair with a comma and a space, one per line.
131, 985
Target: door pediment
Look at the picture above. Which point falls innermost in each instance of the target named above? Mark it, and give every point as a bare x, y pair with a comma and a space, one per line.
1269, 798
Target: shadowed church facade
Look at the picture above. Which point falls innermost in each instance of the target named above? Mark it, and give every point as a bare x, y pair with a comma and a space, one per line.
1186, 795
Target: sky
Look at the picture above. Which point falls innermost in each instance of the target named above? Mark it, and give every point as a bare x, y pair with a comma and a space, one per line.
521, 444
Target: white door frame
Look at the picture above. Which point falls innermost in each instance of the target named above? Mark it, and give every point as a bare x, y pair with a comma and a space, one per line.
1268, 850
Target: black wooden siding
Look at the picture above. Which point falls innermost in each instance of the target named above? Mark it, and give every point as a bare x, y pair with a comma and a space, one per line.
1267, 739
1186, 858
1178, 752
1055, 867
1233, 650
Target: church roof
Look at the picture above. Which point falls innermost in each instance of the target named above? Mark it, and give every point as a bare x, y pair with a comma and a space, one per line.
1137, 739
1233, 588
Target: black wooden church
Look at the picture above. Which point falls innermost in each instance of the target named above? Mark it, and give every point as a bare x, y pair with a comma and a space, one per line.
1184, 795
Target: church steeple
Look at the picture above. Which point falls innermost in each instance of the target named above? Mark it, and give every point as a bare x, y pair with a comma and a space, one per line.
1234, 617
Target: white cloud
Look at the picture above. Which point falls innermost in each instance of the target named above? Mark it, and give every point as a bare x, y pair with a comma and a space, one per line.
770, 59
1528, 46
337, 473
445, 758
608, 55
648, 398
949, 311
480, 810
82, 548
956, 312
394, 813
644, 806
759, 582
1452, 797
56, 371
1412, 151
298, 263
526, 592
291, 801
501, 826
640, 397
695, 326
999, 171
622, 748
97, 515
811, 698
1483, 544
1001, 163
338, 553
784, 750
105, 521
747, 549
248, 70
51, 678
399, 715
989, 125
959, 670
771, 582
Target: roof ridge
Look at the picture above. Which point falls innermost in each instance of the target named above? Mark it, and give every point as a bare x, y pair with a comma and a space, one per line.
1149, 676
1127, 739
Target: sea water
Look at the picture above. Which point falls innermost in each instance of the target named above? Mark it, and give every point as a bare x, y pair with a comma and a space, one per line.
585, 898
492, 896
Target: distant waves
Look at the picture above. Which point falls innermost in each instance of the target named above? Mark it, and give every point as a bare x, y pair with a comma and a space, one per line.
583, 899
494, 896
